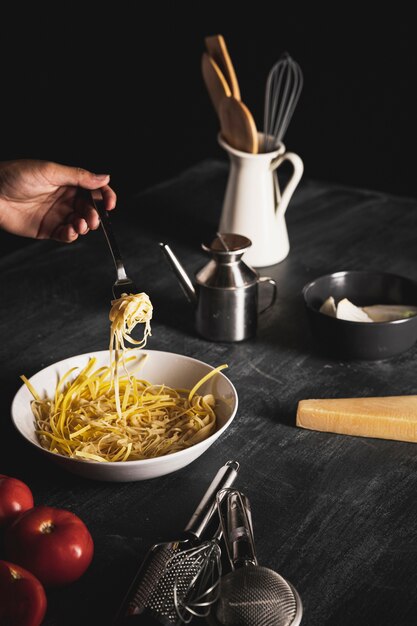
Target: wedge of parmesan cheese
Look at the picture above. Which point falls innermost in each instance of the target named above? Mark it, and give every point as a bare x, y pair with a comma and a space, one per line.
345, 310
391, 417
389, 312
328, 307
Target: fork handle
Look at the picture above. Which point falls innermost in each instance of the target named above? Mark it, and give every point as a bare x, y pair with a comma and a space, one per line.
111, 240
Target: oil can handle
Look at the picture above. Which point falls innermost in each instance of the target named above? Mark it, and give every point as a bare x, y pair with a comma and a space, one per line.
272, 283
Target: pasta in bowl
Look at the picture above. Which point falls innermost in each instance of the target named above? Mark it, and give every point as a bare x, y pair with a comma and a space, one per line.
188, 403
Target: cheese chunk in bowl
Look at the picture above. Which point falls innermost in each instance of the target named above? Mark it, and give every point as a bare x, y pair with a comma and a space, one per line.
360, 339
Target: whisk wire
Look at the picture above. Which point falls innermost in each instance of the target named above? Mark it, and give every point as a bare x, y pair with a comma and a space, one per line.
283, 88
282, 103
196, 578
206, 590
294, 94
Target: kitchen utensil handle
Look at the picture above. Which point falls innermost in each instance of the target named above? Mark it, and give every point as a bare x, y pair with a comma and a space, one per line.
203, 513
237, 529
270, 281
111, 240
291, 186
240, 538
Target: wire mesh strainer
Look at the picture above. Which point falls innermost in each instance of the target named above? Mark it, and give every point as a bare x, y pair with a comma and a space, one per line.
257, 596
251, 595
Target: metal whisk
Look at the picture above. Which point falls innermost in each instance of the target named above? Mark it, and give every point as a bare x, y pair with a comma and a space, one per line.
283, 88
197, 573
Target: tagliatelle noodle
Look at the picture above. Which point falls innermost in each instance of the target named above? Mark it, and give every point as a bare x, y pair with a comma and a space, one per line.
125, 313
103, 415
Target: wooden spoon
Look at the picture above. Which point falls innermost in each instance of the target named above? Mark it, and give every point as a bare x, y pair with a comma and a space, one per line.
215, 81
238, 125
217, 49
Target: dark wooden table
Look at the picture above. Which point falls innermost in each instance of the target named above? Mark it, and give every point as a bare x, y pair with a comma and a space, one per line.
335, 515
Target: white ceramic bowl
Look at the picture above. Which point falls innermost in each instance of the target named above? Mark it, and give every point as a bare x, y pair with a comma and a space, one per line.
174, 370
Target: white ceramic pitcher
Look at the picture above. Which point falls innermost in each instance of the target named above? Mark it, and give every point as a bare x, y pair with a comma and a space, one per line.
255, 206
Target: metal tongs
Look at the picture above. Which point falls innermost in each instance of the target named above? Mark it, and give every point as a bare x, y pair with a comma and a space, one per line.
123, 284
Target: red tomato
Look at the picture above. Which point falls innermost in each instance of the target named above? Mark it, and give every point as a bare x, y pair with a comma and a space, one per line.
15, 497
22, 597
54, 544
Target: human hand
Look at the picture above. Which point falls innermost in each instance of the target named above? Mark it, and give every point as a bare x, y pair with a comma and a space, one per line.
41, 199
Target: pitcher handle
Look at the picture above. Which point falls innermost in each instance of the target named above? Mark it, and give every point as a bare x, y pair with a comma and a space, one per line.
270, 281
284, 198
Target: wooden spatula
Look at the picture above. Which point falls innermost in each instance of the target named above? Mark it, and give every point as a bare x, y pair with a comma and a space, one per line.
215, 81
238, 125
217, 49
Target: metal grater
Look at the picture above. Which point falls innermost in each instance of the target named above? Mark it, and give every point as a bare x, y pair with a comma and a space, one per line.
150, 575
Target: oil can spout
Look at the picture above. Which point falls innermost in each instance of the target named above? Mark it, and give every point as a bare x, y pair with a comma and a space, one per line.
182, 276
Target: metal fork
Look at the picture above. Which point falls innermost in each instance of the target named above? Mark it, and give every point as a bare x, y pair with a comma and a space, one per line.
123, 284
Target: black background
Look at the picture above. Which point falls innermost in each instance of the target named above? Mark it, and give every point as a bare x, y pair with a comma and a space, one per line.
121, 91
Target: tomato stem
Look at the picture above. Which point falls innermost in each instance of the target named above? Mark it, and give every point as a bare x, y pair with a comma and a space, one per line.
47, 528
15, 575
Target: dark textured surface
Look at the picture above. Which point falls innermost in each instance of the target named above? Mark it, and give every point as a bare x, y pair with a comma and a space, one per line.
335, 515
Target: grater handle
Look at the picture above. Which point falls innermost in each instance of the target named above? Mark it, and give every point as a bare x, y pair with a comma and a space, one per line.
204, 512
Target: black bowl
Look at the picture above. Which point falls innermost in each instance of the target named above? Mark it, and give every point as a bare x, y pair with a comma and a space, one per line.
361, 340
